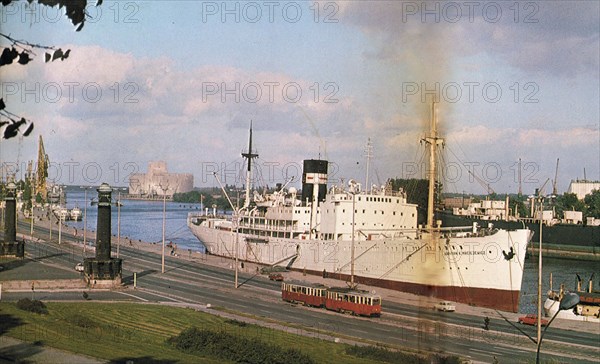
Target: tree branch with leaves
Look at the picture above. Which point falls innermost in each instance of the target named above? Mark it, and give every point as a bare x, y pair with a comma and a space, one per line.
22, 52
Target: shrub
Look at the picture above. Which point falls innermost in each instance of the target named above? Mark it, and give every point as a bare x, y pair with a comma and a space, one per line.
235, 348
34, 306
236, 322
382, 354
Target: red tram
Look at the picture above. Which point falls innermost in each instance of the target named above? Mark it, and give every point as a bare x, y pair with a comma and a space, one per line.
356, 302
304, 293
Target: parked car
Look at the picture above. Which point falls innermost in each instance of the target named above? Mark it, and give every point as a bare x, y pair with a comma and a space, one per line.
79, 267
276, 277
445, 306
531, 319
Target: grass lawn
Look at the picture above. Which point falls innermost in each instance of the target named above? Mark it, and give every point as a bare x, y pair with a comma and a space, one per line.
122, 331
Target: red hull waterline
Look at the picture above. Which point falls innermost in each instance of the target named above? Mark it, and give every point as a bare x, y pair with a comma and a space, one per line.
502, 300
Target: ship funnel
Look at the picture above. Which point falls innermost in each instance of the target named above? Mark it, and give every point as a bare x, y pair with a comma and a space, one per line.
314, 180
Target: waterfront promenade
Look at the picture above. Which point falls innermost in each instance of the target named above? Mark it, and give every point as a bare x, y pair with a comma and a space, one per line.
199, 281
74, 238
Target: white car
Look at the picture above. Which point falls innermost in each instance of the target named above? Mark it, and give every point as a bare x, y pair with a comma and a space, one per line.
445, 306
79, 267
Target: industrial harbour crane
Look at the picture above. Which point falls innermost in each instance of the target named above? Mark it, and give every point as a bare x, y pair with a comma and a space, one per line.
42, 170
554, 189
483, 183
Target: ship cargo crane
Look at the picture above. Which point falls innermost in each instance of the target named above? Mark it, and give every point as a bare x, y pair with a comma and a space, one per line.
42, 171
483, 183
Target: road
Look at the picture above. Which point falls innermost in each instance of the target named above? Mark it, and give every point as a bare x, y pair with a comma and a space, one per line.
400, 325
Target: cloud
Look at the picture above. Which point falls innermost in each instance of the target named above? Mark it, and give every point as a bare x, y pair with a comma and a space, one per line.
539, 38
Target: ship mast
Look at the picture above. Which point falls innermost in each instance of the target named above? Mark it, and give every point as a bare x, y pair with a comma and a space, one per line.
249, 156
368, 155
433, 140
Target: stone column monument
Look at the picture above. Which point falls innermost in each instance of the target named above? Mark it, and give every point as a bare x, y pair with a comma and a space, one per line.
103, 271
10, 246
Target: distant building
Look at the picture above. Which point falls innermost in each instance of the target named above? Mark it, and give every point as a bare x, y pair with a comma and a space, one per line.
583, 187
157, 179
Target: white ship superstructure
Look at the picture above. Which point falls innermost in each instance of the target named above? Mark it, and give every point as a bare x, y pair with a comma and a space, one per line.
372, 236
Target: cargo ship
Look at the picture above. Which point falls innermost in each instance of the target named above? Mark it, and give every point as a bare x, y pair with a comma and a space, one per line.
371, 236
567, 233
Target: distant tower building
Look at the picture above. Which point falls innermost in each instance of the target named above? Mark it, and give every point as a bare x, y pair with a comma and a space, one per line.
583, 187
158, 179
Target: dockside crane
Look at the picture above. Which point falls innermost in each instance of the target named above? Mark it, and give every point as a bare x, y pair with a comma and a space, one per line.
554, 189
483, 183
42, 171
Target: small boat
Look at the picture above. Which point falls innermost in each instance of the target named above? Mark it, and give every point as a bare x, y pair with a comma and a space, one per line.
61, 213
75, 214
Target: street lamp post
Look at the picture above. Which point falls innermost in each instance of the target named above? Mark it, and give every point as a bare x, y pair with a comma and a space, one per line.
236, 216
353, 232
539, 308
164, 189
237, 237
85, 203
32, 214
568, 301
59, 227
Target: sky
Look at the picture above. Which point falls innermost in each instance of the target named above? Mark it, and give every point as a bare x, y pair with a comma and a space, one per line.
181, 81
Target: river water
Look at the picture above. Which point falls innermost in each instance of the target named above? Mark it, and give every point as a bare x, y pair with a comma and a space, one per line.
142, 221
